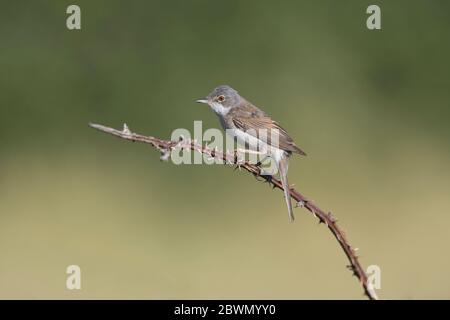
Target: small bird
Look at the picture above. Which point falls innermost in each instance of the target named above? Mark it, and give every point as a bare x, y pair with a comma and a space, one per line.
246, 122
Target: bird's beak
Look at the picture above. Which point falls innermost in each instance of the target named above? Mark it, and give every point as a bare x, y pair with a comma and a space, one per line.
203, 100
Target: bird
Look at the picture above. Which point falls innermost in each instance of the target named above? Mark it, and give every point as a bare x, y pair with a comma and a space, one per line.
256, 129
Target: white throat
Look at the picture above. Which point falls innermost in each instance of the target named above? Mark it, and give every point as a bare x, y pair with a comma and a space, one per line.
219, 109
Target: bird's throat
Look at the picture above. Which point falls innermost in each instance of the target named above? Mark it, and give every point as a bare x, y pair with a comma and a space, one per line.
219, 108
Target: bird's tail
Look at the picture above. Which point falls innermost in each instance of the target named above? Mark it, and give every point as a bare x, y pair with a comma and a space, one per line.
283, 166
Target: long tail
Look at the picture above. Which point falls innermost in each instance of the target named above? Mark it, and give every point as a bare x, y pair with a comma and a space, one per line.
283, 166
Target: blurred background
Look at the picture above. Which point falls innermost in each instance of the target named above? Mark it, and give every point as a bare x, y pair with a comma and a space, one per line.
371, 109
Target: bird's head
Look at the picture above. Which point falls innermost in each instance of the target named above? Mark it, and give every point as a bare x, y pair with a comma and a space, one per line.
222, 99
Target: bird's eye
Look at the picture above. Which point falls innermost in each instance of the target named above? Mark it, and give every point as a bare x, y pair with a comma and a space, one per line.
221, 98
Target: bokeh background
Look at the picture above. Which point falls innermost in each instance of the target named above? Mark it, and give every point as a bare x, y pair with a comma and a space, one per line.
371, 109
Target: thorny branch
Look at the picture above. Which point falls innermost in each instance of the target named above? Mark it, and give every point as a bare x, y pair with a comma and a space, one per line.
166, 147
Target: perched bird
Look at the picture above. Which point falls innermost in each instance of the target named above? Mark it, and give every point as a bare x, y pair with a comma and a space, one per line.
246, 123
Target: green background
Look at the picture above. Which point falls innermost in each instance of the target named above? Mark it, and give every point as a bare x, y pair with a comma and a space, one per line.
371, 109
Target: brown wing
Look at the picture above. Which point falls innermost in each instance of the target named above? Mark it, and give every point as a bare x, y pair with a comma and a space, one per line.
253, 121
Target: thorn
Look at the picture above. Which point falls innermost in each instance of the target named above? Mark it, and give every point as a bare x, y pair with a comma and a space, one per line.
352, 269
315, 216
300, 204
165, 155
125, 129
332, 217
238, 166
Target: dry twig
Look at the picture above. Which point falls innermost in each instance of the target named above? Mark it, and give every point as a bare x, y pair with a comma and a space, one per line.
166, 146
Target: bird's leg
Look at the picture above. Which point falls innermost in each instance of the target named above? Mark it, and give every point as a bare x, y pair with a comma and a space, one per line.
239, 159
259, 163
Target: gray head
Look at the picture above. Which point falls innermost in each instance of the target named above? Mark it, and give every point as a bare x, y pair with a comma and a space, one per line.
222, 99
